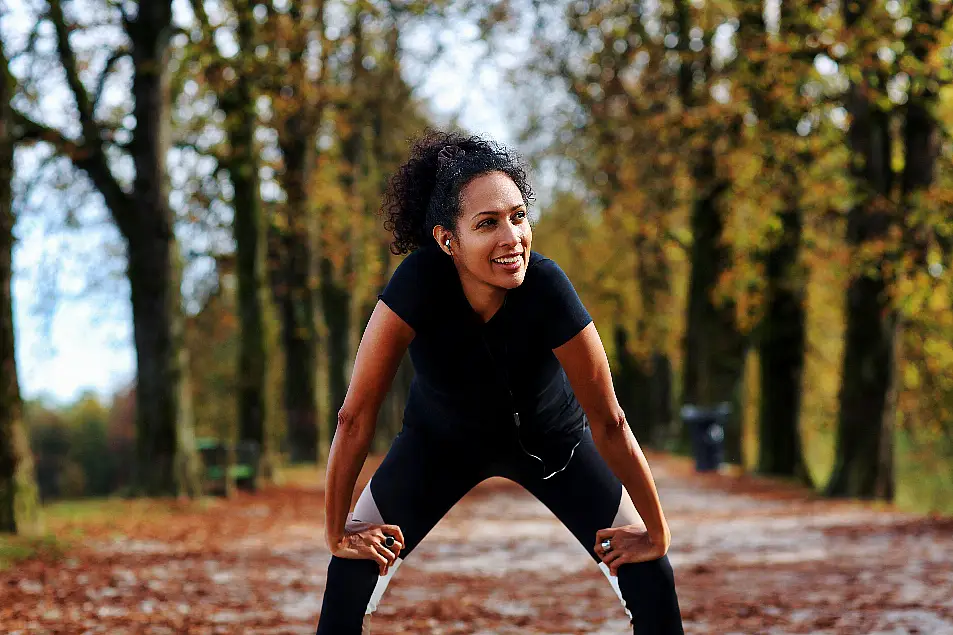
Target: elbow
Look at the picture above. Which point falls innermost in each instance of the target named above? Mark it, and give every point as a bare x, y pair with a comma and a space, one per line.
352, 424
613, 422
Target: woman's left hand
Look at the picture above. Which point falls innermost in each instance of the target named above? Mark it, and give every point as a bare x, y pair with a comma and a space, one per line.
630, 543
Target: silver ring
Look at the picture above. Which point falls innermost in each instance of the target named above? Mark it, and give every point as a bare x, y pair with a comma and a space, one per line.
606, 545
388, 541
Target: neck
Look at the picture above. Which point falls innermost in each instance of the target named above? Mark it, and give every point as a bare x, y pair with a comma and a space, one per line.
485, 299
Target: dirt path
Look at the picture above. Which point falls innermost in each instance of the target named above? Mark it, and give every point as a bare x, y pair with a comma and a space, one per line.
750, 557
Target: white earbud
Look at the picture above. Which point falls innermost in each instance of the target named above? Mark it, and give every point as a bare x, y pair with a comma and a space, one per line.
447, 244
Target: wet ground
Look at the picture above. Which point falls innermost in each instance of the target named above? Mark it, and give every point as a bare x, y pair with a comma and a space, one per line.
750, 556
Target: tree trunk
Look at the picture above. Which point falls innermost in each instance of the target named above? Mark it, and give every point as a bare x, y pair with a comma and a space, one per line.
652, 273
297, 302
630, 384
241, 122
783, 329
782, 341
296, 291
868, 360
921, 148
19, 501
336, 308
714, 348
166, 459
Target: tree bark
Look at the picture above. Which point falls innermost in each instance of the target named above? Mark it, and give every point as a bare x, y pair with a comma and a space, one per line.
297, 278
336, 309
297, 307
19, 500
783, 328
868, 361
655, 376
714, 348
166, 459
249, 231
782, 342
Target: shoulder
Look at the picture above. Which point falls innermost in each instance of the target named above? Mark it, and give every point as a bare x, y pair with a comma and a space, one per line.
559, 313
543, 273
409, 290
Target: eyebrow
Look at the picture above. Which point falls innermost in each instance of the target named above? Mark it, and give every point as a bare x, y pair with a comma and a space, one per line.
497, 212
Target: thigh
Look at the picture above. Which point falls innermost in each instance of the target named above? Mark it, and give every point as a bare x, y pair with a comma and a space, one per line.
420, 479
587, 497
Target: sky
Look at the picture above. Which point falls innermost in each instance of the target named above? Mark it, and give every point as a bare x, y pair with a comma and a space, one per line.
72, 316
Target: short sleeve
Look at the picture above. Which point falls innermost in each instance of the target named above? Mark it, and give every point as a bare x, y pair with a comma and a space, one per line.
403, 293
562, 314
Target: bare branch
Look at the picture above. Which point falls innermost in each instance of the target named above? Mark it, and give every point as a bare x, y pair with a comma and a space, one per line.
198, 9
117, 4
27, 130
88, 157
117, 55
68, 60
30, 46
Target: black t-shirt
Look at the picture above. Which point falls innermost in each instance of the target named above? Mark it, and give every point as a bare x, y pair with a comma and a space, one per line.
471, 375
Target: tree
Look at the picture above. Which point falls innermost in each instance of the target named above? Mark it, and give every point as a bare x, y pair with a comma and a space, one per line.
775, 73
299, 97
868, 361
233, 83
19, 503
166, 460
714, 347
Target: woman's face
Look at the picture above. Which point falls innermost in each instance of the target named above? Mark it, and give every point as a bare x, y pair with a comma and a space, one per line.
493, 237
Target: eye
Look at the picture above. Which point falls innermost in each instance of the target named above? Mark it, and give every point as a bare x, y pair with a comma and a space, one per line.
520, 215
487, 222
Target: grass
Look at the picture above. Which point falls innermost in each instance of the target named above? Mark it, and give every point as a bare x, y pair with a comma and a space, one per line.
69, 521
301, 474
924, 474
15, 549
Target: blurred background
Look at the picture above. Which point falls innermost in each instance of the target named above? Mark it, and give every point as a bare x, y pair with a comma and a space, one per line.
753, 199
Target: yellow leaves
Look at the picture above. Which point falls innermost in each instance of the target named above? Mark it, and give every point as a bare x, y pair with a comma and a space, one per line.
911, 377
939, 300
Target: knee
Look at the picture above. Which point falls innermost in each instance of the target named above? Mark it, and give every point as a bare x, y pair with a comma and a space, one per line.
347, 593
654, 574
648, 590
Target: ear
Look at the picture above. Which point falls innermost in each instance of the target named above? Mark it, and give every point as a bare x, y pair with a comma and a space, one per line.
443, 236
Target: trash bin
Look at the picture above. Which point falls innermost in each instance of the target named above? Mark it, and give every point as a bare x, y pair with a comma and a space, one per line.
707, 429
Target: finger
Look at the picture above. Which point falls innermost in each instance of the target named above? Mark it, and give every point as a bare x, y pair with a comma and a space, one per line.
602, 534
378, 541
618, 562
394, 531
612, 556
395, 547
387, 553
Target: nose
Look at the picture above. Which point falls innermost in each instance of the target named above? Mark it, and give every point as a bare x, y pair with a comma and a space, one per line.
512, 235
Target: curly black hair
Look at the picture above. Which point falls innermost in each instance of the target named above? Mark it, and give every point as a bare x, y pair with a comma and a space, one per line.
425, 191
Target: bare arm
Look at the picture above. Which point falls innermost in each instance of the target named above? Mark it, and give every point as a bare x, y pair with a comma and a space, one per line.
584, 360
383, 345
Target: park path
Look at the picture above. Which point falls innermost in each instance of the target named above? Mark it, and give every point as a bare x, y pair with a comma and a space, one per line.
750, 556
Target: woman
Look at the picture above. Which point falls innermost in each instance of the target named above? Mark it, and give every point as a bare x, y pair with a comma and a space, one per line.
511, 380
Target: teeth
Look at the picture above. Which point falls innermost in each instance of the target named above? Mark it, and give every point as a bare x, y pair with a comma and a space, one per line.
507, 261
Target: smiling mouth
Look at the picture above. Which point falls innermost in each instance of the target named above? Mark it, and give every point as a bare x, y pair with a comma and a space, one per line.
508, 260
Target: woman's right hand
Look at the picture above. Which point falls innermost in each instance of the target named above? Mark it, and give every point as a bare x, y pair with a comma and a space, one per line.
365, 541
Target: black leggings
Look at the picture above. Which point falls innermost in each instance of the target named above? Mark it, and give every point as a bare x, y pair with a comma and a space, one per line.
423, 476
